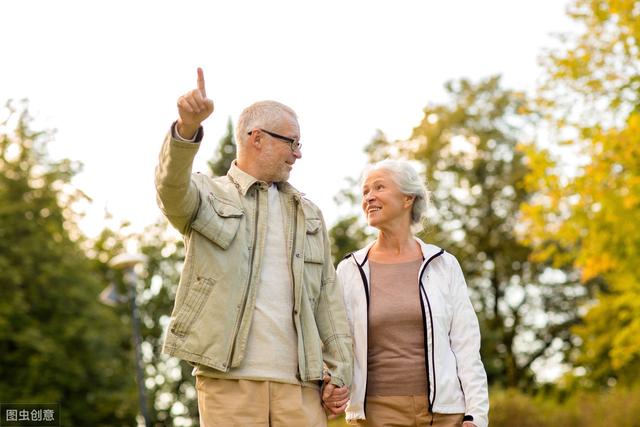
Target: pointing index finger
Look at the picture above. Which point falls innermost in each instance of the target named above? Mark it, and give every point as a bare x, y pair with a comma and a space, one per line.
201, 82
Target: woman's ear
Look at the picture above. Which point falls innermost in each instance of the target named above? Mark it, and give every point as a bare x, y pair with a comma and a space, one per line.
408, 200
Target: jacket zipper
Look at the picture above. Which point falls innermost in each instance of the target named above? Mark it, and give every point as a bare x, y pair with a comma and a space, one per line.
365, 284
302, 363
426, 341
246, 288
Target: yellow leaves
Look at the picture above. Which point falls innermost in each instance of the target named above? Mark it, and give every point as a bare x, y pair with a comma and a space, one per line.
544, 253
540, 166
626, 12
596, 265
631, 200
626, 347
627, 279
625, 343
593, 211
610, 334
592, 221
586, 209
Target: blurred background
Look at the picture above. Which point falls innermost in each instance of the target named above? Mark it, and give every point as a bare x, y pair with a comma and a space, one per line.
523, 116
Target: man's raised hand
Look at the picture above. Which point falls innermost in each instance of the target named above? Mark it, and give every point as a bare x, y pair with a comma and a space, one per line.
193, 108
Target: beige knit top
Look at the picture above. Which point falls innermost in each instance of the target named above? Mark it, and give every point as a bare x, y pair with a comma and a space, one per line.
396, 357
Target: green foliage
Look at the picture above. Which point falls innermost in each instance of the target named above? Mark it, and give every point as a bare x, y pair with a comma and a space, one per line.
169, 380
57, 342
169, 384
347, 235
226, 154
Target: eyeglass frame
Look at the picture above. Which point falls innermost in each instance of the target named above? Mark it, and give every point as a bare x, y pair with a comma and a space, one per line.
293, 143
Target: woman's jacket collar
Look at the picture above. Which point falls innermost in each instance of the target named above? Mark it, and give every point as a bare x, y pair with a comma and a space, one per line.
428, 250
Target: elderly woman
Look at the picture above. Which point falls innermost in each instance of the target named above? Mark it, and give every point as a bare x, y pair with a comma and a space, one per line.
416, 335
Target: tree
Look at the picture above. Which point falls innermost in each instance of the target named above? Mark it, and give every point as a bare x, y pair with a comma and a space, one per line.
468, 151
57, 342
587, 204
594, 77
169, 380
168, 383
347, 235
221, 163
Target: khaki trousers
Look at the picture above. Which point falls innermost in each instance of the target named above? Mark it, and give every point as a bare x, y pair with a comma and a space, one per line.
240, 403
405, 411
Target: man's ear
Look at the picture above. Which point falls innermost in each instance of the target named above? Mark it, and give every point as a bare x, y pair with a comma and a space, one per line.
255, 139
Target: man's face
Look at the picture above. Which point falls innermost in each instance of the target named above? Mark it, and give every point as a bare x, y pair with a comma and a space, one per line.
277, 159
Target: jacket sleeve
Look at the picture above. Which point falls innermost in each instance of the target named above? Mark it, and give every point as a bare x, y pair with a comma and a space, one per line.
355, 407
332, 322
176, 192
465, 343
344, 286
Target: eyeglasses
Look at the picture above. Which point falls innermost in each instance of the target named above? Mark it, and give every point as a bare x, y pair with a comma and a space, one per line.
293, 143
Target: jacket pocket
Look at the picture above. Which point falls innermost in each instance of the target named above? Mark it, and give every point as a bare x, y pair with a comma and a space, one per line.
218, 220
192, 305
313, 244
313, 260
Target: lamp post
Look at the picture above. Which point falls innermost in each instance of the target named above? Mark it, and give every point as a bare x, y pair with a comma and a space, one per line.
127, 262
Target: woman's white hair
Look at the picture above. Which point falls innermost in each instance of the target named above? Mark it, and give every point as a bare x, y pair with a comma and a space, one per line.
410, 183
261, 114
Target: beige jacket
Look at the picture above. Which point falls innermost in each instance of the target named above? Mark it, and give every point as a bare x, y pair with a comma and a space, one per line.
223, 222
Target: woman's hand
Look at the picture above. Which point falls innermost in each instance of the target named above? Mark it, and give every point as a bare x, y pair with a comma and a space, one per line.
334, 399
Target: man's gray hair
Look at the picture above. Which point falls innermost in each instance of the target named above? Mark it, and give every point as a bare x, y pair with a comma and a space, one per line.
261, 114
410, 183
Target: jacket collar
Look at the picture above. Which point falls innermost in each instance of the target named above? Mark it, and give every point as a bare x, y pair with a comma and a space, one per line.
428, 250
244, 182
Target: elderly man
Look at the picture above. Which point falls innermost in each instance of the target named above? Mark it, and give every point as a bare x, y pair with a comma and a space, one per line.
258, 311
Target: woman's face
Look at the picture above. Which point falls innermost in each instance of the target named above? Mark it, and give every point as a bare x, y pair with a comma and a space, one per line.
382, 201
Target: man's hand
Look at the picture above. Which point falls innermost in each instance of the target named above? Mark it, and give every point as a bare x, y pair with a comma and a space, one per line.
193, 108
334, 399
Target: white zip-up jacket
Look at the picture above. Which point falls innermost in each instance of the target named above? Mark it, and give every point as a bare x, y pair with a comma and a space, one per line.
457, 379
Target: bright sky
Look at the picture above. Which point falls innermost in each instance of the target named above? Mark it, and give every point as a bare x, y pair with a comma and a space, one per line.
107, 75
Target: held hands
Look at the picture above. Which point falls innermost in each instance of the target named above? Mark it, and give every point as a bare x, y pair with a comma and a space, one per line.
334, 399
193, 108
